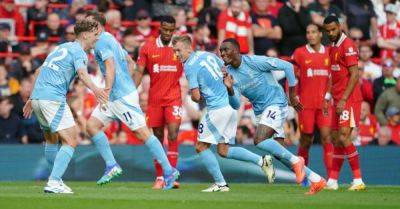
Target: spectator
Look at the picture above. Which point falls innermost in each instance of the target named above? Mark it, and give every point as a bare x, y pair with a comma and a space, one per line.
389, 33
8, 10
131, 42
366, 86
390, 97
32, 127
293, 19
130, 8
266, 29
7, 41
114, 24
396, 59
273, 7
393, 118
69, 34
361, 14
323, 8
143, 30
38, 13
387, 79
53, 26
12, 130
42, 47
371, 70
201, 40
161, 8
243, 136
209, 16
379, 7
368, 127
24, 66
357, 36
235, 23
180, 17
8, 86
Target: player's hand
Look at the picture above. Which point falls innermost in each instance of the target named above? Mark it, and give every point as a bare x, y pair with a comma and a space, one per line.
228, 80
101, 96
294, 101
340, 106
27, 109
325, 107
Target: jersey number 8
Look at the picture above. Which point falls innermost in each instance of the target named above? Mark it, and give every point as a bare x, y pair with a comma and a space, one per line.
212, 67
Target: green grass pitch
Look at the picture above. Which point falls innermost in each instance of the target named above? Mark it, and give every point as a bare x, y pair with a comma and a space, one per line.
121, 195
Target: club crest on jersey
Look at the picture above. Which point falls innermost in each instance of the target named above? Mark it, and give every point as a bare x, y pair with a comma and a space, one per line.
308, 61
326, 61
174, 57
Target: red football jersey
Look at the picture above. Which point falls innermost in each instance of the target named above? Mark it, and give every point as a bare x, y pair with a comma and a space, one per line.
367, 129
343, 54
164, 69
389, 31
313, 73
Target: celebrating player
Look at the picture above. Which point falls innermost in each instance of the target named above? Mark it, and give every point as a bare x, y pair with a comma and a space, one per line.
218, 125
123, 104
251, 76
48, 99
347, 101
313, 65
165, 102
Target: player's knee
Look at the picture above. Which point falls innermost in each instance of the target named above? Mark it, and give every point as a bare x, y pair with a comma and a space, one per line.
223, 152
172, 135
92, 127
200, 147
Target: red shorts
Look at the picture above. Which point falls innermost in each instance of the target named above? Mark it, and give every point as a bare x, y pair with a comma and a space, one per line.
350, 116
308, 118
158, 116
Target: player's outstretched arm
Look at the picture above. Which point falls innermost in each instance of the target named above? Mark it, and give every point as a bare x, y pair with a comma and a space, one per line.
101, 96
110, 74
138, 75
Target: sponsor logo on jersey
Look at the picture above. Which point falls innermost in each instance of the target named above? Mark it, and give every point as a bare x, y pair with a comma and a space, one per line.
155, 55
164, 68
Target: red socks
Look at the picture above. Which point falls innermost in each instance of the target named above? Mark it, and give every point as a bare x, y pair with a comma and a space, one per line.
159, 171
173, 153
303, 152
354, 161
337, 162
328, 154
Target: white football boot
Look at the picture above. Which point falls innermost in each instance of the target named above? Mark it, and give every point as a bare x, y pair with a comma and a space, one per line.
54, 186
268, 168
332, 185
217, 188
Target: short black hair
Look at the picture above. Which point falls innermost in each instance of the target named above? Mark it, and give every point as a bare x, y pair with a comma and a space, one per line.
97, 16
167, 19
330, 19
232, 41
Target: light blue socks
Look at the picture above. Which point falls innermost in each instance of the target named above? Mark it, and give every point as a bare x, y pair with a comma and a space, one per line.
158, 153
239, 153
50, 153
277, 150
211, 163
101, 142
61, 162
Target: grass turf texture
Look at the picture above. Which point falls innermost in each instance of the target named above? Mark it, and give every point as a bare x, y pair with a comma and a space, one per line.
120, 195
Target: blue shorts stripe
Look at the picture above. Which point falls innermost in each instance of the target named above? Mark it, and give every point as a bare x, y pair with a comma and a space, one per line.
57, 118
213, 129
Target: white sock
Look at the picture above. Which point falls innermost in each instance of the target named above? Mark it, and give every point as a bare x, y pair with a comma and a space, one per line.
358, 181
260, 162
294, 159
332, 181
313, 177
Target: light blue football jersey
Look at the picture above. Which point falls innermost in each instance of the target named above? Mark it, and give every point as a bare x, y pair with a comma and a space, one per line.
203, 71
254, 80
108, 47
58, 71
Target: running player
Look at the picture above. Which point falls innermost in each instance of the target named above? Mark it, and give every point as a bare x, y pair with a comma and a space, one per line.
48, 99
165, 102
313, 66
251, 76
218, 125
115, 64
347, 100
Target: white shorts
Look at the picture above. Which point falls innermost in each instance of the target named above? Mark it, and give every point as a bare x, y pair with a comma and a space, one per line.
53, 115
218, 126
274, 117
125, 109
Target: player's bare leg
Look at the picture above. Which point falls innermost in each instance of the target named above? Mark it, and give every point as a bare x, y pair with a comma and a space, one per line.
159, 182
210, 162
63, 157
94, 129
352, 155
156, 149
327, 146
239, 153
173, 146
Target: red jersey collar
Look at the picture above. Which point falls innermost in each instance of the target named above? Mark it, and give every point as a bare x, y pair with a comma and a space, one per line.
340, 41
311, 50
160, 44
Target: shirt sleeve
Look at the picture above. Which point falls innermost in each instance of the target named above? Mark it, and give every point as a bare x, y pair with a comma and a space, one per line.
104, 52
80, 61
234, 100
191, 76
275, 64
350, 55
142, 59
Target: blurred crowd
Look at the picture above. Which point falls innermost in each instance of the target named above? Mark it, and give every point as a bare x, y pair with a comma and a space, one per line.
30, 29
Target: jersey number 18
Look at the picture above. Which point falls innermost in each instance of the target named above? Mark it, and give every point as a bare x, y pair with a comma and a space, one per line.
212, 67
